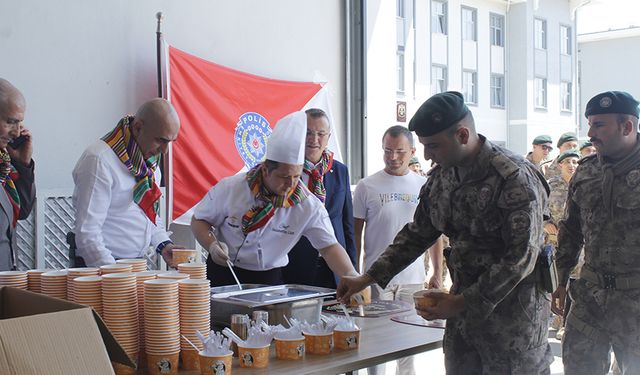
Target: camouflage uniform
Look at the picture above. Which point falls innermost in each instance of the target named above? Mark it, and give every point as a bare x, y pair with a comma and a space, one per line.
493, 218
551, 169
557, 201
606, 299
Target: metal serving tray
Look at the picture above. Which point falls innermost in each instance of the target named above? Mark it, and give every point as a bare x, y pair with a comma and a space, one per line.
303, 302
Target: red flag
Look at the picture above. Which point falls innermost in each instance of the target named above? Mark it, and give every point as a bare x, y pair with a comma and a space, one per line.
226, 116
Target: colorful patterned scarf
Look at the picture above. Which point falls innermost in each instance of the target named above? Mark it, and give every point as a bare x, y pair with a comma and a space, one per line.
316, 174
146, 193
8, 174
259, 215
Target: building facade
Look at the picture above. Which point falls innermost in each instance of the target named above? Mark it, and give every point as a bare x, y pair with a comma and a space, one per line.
514, 61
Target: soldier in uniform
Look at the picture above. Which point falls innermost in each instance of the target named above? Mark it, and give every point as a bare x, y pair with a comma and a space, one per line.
540, 152
603, 213
587, 149
490, 203
567, 141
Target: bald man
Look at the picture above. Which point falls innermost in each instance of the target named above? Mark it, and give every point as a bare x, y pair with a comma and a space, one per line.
16, 171
116, 193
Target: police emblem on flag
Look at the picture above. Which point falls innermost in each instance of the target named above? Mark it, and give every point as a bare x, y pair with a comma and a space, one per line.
252, 131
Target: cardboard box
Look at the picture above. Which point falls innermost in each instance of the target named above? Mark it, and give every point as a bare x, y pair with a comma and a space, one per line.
46, 335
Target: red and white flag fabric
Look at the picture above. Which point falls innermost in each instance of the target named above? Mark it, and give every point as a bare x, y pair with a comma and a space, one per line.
226, 117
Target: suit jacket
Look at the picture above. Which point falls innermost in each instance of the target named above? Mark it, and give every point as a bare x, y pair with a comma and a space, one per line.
27, 193
305, 266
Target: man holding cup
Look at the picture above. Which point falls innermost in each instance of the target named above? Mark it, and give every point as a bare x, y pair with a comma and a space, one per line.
491, 204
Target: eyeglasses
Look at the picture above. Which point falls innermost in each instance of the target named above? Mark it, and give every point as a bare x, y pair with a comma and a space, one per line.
320, 134
546, 148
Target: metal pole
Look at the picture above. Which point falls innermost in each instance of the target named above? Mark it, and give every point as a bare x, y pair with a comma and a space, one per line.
159, 17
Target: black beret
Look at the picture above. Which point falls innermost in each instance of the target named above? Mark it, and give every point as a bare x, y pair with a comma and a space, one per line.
569, 154
438, 113
542, 139
612, 102
566, 137
586, 144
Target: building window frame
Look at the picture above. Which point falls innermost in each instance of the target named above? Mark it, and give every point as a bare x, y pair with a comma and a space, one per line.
566, 96
470, 86
400, 74
540, 93
496, 29
439, 15
540, 33
497, 84
565, 40
439, 82
469, 23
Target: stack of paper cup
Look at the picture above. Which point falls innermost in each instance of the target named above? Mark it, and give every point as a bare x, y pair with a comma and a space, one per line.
54, 284
141, 277
120, 309
115, 268
34, 282
195, 315
173, 275
16, 279
137, 265
72, 273
88, 291
195, 270
161, 325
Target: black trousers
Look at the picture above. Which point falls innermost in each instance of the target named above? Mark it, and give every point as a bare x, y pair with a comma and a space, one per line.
219, 275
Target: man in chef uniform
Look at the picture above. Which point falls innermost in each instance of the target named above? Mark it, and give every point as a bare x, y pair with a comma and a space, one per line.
252, 220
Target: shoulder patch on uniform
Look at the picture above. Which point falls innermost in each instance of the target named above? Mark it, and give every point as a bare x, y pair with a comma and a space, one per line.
505, 166
587, 158
515, 194
519, 223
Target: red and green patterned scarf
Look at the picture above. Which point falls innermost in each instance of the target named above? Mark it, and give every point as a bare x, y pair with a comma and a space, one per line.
8, 174
259, 215
316, 174
146, 193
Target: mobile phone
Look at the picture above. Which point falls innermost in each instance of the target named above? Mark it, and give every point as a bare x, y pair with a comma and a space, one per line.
17, 142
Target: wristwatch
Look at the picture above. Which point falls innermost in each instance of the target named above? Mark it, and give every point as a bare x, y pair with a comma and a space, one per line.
162, 245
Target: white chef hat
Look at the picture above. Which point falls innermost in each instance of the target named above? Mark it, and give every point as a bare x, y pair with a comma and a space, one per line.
287, 142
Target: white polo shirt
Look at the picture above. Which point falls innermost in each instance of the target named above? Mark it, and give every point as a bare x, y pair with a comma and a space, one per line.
265, 248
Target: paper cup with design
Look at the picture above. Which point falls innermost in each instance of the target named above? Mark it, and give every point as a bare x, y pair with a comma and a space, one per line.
184, 256
425, 298
254, 357
190, 359
290, 348
216, 364
162, 364
318, 343
346, 340
361, 298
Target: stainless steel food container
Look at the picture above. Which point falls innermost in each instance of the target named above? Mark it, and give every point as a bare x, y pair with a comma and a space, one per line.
302, 302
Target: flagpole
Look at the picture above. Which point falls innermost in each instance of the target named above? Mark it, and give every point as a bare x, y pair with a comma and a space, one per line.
159, 17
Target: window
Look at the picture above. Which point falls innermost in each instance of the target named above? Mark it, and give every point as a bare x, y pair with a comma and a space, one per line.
497, 29
470, 87
439, 17
540, 27
400, 22
565, 93
541, 92
565, 40
400, 67
438, 79
497, 90
468, 24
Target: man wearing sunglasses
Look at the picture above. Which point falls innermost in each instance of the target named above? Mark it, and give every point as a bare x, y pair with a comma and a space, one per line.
540, 153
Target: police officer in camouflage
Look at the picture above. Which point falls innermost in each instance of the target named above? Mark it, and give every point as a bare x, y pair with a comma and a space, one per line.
603, 213
491, 204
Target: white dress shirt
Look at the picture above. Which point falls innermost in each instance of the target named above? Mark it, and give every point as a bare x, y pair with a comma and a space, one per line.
109, 224
267, 247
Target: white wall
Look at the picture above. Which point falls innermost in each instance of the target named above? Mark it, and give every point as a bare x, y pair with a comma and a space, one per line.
615, 72
83, 64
